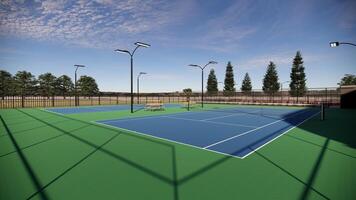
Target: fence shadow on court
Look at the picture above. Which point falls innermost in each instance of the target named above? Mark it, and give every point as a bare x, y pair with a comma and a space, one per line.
176, 183
170, 180
36, 182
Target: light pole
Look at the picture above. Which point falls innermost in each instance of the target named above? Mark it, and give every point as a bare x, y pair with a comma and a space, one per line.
282, 89
221, 82
138, 44
335, 44
76, 99
282, 84
138, 86
202, 78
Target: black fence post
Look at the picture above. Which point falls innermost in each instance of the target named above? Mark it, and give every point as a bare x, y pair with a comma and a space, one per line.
52, 100
99, 100
326, 97
22, 101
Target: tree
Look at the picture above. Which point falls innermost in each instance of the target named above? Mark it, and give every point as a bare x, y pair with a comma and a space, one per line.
246, 84
64, 85
348, 79
229, 82
187, 92
212, 85
24, 83
47, 85
87, 86
270, 81
298, 78
6, 84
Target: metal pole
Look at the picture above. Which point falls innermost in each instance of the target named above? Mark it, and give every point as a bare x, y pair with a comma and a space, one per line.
132, 97
138, 89
202, 88
75, 87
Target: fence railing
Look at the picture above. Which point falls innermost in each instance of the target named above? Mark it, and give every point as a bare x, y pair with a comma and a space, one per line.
313, 96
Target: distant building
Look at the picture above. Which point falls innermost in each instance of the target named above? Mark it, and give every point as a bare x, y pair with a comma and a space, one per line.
348, 96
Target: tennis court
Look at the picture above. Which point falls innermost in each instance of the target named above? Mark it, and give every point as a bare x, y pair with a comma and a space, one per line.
178, 154
235, 131
88, 109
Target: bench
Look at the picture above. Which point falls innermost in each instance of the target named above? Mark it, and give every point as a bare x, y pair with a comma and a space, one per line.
154, 105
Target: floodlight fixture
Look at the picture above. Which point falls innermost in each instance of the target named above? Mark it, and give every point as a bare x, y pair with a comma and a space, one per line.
335, 44
138, 86
76, 99
142, 44
138, 44
192, 65
202, 78
122, 51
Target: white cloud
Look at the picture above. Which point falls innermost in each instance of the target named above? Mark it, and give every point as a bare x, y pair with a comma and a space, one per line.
100, 23
279, 58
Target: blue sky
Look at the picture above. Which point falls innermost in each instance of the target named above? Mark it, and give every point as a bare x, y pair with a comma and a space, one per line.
51, 36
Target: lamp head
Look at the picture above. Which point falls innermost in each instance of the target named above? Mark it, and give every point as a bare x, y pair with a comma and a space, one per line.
334, 44
141, 44
122, 51
79, 65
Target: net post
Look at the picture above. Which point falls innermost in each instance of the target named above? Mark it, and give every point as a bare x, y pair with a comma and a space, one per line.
322, 111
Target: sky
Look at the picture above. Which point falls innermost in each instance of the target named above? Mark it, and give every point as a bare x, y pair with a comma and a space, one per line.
51, 36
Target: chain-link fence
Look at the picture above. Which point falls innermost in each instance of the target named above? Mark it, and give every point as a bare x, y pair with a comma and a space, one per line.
313, 96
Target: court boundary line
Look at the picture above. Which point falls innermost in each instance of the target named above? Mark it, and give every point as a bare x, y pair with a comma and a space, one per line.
249, 131
168, 140
201, 148
221, 117
164, 139
211, 122
269, 141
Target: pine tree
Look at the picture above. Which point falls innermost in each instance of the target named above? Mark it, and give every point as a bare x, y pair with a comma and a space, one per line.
246, 84
212, 85
270, 81
298, 78
229, 82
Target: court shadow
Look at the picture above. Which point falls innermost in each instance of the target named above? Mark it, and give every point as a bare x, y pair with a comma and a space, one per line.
314, 172
36, 182
313, 127
170, 180
337, 126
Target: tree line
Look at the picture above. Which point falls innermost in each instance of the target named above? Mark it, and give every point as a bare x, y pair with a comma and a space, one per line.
24, 83
271, 83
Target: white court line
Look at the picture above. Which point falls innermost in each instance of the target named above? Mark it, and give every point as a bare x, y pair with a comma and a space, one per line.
167, 115
164, 139
247, 132
173, 141
50, 111
130, 119
280, 135
211, 122
222, 116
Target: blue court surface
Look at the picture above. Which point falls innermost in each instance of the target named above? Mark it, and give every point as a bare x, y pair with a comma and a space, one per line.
87, 109
234, 131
